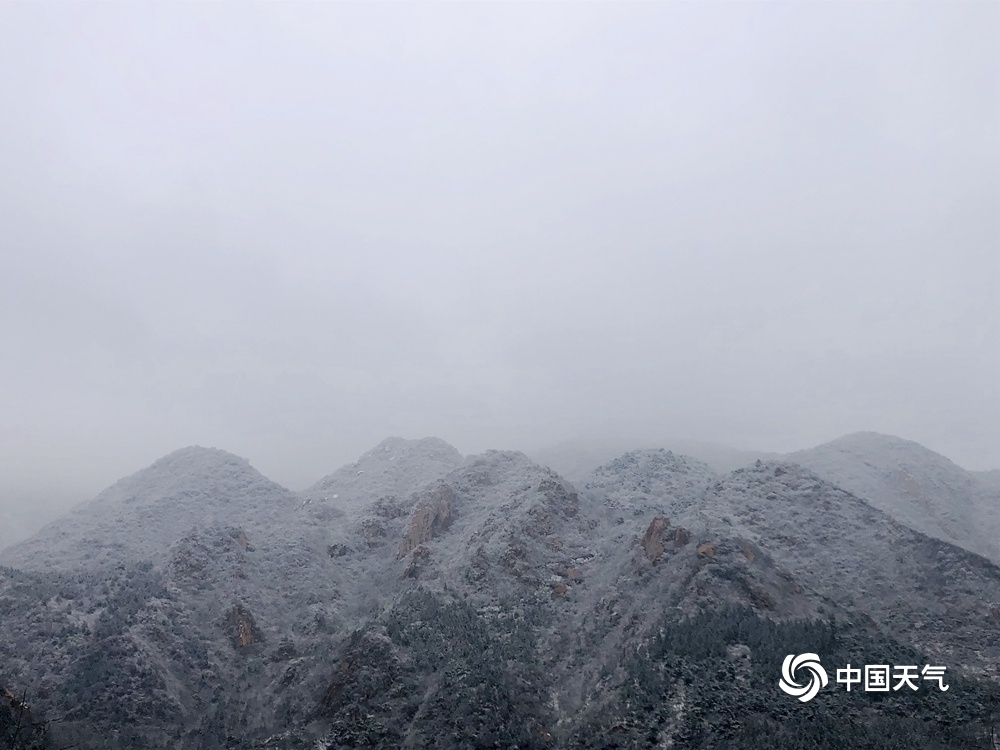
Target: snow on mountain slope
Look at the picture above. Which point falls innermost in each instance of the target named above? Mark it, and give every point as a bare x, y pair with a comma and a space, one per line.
640, 481
140, 516
415, 597
916, 486
991, 478
840, 546
393, 467
24, 513
576, 459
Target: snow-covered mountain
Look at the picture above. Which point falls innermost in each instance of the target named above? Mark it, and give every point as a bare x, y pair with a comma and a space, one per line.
393, 467
141, 516
914, 485
576, 459
417, 598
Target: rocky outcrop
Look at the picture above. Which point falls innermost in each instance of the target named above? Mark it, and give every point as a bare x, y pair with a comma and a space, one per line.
432, 515
916, 486
417, 559
517, 603
652, 540
242, 627
659, 534
571, 573
241, 539
191, 488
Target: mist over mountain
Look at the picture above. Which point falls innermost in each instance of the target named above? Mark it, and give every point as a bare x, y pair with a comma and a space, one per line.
991, 478
576, 459
23, 512
140, 516
418, 598
394, 466
635, 264
914, 485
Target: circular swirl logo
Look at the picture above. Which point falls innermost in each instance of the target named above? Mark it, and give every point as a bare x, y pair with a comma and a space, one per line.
817, 676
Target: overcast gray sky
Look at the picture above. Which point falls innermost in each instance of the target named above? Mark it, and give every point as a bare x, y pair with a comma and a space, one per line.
291, 230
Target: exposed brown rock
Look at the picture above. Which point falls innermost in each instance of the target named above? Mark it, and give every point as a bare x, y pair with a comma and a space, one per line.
241, 538
652, 540
554, 543
419, 555
569, 573
242, 626
432, 515
748, 552
681, 536
707, 550
559, 590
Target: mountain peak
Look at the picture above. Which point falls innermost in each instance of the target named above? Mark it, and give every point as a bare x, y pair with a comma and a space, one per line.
880, 446
200, 454
139, 516
916, 486
430, 447
650, 480
194, 466
396, 466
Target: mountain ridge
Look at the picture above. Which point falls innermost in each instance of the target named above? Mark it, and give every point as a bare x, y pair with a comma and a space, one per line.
418, 598
187, 488
920, 488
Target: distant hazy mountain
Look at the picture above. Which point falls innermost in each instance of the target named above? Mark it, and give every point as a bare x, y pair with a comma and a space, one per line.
575, 460
991, 478
914, 485
23, 513
141, 516
418, 599
394, 466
